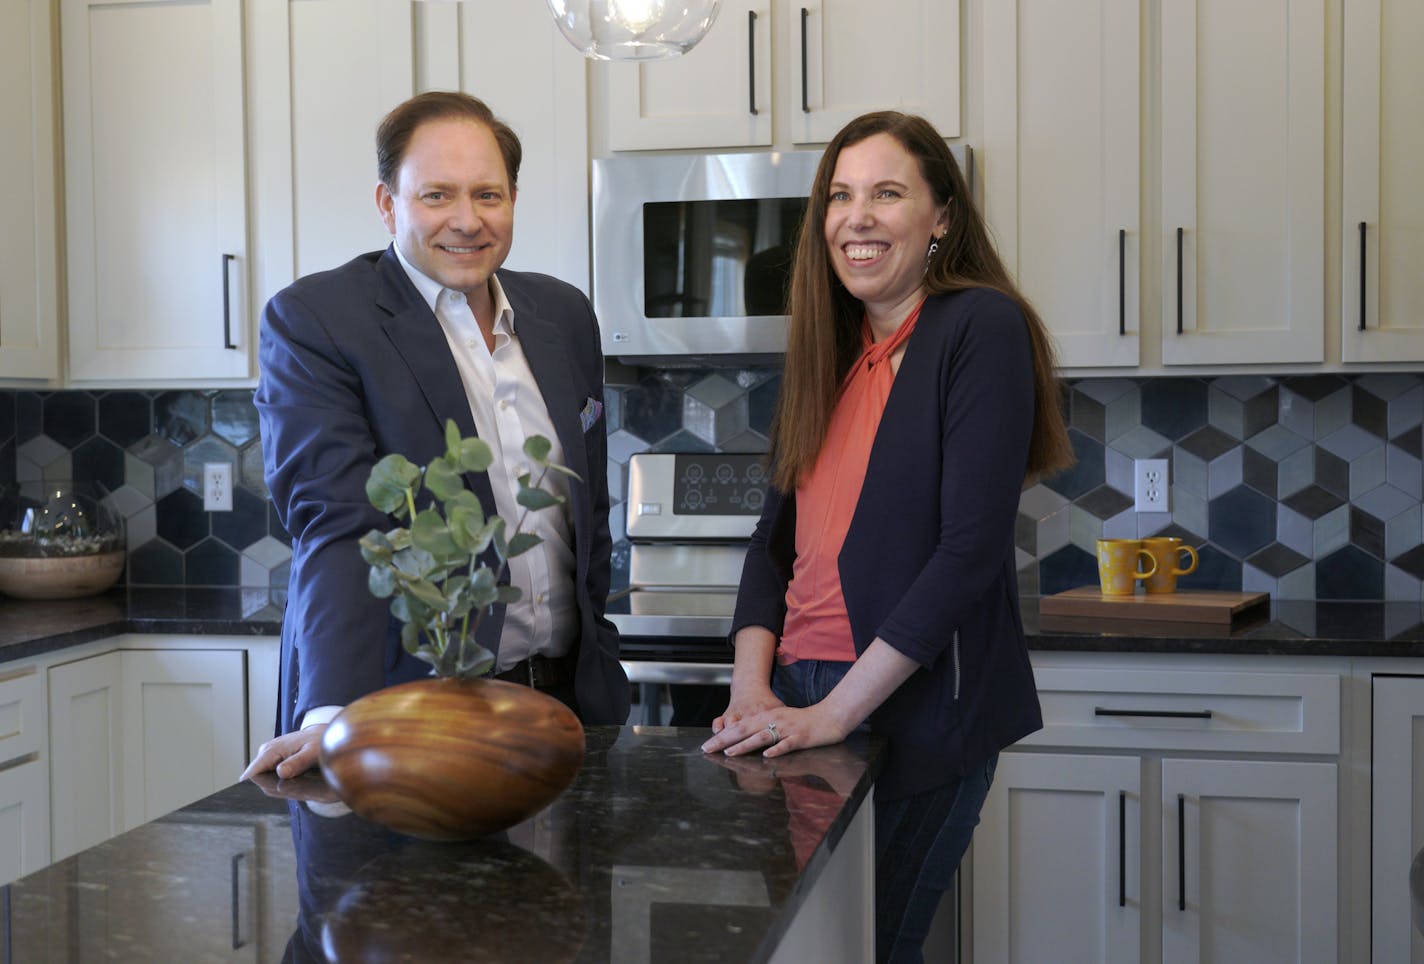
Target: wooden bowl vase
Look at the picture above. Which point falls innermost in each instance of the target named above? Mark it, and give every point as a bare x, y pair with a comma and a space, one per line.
445, 759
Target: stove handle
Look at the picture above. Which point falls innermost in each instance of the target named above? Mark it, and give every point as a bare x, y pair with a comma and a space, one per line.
657, 671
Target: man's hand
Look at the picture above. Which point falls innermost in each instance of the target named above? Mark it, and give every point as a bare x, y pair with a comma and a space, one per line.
289, 754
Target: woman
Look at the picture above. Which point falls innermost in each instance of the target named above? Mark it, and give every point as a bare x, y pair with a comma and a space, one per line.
880, 585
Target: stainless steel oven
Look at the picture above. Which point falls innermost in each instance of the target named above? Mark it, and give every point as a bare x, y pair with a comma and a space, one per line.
689, 518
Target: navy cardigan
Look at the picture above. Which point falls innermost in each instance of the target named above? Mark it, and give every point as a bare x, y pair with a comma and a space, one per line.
928, 561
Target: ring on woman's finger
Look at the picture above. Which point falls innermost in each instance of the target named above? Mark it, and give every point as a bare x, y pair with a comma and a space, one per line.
775, 736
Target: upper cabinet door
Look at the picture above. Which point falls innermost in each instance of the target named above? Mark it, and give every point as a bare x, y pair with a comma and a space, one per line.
155, 178
847, 58
1243, 181
29, 292
330, 70
1061, 147
1382, 224
716, 95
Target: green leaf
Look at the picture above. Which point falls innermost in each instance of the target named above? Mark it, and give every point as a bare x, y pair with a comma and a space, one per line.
452, 439
497, 534
443, 480
381, 582
430, 533
427, 593
507, 594
563, 470
390, 479
410, 610
376, 549
410, 638
414, 562
475, 662
522, 543
475, 455
536, 499
537, 448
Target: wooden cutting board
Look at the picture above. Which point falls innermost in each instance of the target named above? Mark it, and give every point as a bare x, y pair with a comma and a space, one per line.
1216, 607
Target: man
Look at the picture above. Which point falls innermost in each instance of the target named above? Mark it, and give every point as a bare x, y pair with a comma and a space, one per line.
372, 358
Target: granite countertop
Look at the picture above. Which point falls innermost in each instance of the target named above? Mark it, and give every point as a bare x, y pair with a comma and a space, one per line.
1288, 627
657, 852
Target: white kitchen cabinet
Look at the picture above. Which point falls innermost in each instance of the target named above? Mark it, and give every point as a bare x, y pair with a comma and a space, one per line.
85, 752
136, 733
330, 70
1382, 220
24, 773
1057, 860
29, 278
718, 94
185, 728
1061, 156
156, 189
1397, 824
1242, 231
1077, 854
1258, 882
818, 63
24, 819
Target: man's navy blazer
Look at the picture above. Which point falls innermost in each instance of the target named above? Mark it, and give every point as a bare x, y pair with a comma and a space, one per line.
355, 366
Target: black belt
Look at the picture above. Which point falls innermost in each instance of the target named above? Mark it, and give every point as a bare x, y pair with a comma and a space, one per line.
540, 672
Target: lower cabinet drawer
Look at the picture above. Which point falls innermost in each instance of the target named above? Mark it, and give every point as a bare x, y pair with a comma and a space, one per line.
1187, 710
21, 730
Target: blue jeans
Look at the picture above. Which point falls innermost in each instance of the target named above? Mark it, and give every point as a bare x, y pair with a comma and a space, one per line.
919, 839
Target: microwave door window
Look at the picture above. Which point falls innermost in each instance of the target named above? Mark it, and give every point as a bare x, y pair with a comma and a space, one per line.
718, 259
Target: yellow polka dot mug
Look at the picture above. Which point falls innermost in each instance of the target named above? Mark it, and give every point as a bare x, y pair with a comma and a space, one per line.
1121, 563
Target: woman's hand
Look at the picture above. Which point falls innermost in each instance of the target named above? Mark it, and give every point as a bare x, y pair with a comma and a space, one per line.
776, 732
746, 701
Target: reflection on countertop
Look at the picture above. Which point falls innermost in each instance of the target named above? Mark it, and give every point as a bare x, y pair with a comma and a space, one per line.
657, 852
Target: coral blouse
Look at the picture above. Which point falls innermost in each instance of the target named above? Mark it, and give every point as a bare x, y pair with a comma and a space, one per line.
816, 623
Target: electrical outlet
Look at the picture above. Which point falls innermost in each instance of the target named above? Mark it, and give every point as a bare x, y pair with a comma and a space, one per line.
1149, 484
217, 486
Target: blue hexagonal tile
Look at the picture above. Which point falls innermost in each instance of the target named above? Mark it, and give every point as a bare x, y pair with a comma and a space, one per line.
1349, 573
234, 417
1086, 474
181, 519
100, 460
1065, 569
69, 417
1174, 407
125, 417
1215, 570
180, 417
1242, 521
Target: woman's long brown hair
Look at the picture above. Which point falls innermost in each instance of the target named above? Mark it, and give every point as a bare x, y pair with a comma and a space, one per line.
824, 336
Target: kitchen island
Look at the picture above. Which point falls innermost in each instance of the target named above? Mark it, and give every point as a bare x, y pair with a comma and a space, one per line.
657, 852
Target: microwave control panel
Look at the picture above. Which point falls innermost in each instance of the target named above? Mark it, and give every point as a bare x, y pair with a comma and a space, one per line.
695, 495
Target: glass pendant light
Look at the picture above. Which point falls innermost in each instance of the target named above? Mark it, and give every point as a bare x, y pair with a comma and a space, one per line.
634, 29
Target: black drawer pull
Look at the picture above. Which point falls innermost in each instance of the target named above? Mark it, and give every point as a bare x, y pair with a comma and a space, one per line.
1171, 714
1362, 276
227, 302
1122, 848
805, 92
751, 62
1181, 852
1122, 281
1179, 281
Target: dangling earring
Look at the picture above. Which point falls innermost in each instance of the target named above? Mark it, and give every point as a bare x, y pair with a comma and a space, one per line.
934, 246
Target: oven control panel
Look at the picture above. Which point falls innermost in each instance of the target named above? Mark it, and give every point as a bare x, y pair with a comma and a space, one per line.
694, 495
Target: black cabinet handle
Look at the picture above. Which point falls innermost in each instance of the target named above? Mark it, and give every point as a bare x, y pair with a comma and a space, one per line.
1362, 276
1181, 852
237, 939
805, 89
1122, 281
227, 259
1179, 281
1122, 848
751, 62
1172, 714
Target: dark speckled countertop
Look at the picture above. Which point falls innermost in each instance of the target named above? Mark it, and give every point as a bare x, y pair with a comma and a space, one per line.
657, 852
1302, 628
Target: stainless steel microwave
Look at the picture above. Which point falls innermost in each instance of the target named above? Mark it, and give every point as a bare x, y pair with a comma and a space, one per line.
692, 253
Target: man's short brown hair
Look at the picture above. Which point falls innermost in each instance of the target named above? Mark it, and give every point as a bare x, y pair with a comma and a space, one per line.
399, 126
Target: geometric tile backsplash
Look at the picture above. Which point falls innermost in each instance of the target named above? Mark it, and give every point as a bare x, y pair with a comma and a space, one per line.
1303, 486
